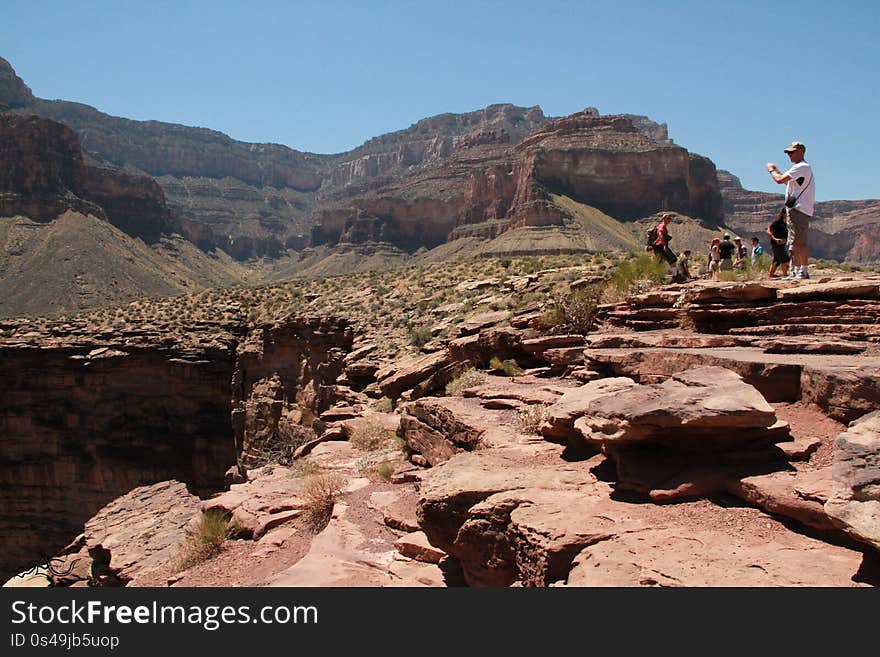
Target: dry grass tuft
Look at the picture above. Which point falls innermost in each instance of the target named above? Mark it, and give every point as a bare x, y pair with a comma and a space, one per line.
321, 492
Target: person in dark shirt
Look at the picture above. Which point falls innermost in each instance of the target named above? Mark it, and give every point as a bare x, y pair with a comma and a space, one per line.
726, 249
778, 233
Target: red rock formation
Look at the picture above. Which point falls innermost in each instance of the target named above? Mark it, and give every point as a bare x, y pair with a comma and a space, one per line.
86, 419
608, 163
44, 175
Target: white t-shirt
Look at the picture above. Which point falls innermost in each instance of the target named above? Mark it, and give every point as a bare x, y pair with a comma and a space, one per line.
805, 191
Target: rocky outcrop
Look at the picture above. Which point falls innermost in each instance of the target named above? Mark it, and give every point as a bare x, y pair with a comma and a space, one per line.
854, 504
88, 418
131, 536
45, 175
680, 438
607, 163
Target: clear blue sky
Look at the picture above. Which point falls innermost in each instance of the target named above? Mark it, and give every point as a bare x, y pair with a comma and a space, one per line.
735, 81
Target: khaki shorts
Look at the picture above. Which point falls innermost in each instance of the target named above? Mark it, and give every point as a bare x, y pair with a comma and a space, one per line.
799, 225
726, 264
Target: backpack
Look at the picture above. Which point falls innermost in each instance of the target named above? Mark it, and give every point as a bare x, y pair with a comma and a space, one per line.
652, 236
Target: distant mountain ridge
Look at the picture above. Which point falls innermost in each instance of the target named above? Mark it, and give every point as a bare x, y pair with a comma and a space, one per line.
501, 180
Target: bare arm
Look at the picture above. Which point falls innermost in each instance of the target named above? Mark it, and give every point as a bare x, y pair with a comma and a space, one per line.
778, 177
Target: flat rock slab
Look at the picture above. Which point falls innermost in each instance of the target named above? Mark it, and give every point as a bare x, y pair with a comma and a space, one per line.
811, 346
668, 556
448, 491
834, 290
708, 291
475, 323
796, 495
439, 427
143, 530
397, 377
416, 546
855, 500
529, 390
262, 503
706, 404
342, 555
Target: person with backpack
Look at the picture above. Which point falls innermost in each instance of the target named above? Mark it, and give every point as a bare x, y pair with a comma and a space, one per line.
800, 197
661, 238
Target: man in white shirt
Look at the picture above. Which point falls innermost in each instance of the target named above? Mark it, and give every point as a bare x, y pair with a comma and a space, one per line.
800, 196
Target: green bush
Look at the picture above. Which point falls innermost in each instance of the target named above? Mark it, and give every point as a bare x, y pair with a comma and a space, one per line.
205, 540
638, 273
574, 310
419, 336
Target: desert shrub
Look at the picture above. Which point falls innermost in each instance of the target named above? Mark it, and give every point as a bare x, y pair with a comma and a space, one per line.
573, 310
383, 405
467, 379
529, 418
205, 540
321, 492
304, 468
369, 436
381, 470
419, 336
638, 274
509, 366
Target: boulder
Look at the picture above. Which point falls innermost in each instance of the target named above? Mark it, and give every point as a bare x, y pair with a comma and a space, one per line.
135, 534
855, 500
705, 556
397, 377
844, 392
796, 495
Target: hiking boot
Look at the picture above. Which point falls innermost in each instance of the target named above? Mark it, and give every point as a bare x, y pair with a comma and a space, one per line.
805, 275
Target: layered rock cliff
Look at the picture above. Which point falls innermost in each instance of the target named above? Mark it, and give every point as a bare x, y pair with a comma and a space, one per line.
491, 183
89, 414
44, 174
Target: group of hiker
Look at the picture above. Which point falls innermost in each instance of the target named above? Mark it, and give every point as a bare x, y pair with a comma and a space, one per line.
788, 232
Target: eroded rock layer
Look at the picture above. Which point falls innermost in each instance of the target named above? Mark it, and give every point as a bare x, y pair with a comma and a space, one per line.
89, 417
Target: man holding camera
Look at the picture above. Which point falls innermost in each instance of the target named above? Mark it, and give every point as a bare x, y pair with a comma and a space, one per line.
800, 197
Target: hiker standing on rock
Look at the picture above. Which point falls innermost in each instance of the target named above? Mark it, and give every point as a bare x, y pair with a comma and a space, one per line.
800, 197
778, 233
757, 251
712, 262
726, 248
661, 243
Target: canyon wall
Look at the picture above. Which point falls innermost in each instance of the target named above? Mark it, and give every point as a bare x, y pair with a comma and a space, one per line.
88, 417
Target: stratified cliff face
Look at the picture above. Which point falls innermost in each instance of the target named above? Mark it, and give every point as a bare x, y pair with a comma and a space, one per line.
842, 230
44, 175
608, 163
430, 141
490, 184
91, 415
